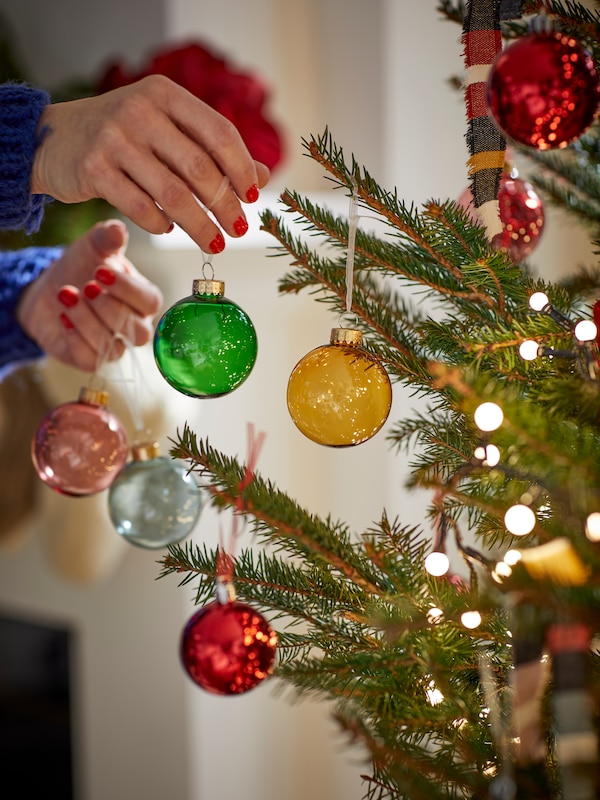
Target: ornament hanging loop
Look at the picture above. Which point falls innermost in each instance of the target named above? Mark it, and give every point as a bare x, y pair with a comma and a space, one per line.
353, 218
206, 266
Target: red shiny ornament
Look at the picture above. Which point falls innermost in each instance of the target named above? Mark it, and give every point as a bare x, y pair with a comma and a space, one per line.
79, 448
521, 215
228, 648
543, 90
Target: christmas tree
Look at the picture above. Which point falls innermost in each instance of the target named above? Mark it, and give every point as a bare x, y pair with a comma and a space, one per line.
473, 686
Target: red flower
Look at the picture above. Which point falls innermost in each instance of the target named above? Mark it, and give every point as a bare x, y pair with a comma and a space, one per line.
238, 96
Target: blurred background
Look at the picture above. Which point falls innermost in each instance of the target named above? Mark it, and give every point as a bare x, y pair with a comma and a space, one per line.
377, 74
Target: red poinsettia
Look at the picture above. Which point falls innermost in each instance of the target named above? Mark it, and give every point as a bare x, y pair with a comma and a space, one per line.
238, 96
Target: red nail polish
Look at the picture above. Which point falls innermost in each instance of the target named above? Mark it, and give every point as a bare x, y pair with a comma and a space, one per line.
91, 290
105, 276
170, 228
240, 226
68, 297
252, 194
66, 322
218, 244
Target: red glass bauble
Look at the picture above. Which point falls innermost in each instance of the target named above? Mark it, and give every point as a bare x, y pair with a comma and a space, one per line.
228, 648
543, 90
79, 448
521, 215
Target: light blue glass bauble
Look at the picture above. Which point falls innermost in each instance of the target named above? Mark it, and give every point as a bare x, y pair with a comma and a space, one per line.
154, 501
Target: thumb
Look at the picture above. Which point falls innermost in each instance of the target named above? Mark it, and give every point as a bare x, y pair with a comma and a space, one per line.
109, 237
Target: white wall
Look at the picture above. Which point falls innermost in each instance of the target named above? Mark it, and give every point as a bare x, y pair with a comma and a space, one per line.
376, 74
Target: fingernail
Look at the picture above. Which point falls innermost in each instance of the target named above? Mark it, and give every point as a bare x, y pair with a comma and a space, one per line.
105, 276
252, 194
170, 228
240, 226
66, 322
91, 290
218, 244
68, 297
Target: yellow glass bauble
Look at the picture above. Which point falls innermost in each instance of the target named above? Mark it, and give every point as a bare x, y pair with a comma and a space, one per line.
339, 395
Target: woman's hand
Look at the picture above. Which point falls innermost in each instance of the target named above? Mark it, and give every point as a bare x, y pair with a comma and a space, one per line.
152, 150
85, 297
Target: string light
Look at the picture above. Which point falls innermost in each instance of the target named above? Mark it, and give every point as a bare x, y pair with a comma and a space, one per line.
538, 301
488, 416
512, 557
586, 331
592, 527
529, 350
519, 520
437, 564
471, 619
435, 615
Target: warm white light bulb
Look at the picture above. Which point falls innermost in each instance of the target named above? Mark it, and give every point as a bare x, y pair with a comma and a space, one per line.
529, 349
503, 569
512, 557
586, 330
519, 520
437, 564
435, 615
492, 455
471, 619
592, 527
488, 416
538, 300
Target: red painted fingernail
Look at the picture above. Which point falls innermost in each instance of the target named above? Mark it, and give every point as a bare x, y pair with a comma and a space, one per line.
66, 322
252, 194
105, 276
240, 226
91, 290
170, 228
68, 297
218, 244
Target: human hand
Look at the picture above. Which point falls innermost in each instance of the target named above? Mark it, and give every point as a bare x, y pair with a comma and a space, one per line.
150, 149
90, 293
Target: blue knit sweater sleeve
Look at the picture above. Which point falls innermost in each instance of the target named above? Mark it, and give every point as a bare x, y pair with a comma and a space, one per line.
17, 270
21, 107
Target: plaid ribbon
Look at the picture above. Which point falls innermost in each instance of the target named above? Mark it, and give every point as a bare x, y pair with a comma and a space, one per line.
482, 41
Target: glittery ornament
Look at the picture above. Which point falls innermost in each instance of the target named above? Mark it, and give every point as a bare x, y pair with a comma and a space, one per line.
521, 215
228, 647
79, 448
154, 501
543, 90
339, 394
205, 345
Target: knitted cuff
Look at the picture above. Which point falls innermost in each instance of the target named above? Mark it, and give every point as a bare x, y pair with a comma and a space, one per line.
17, 270
21, 107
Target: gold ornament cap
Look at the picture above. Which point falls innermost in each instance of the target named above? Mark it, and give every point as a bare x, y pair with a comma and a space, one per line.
145, 451
346, 336
95, 397
208, 286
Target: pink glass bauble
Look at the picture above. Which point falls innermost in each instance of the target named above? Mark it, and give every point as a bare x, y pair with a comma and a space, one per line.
543, 90
79, 448
228, 648
521, 215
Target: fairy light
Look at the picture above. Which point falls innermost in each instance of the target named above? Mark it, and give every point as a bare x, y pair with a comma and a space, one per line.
519, 520
586, 330
437, 564
592, 527
435, 615
512, 557
503, 570
488, 416
538, 301
529, 350
471, 619
489, 455
433, 694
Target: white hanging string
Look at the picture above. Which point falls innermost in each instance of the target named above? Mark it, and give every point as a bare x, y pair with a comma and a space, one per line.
353, 218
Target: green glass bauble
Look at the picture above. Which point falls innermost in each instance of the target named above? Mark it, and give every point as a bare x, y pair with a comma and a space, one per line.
205, 345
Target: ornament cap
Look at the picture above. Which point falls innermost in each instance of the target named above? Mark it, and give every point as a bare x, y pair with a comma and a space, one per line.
346, 336
208, 286
95, 397
145, 451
